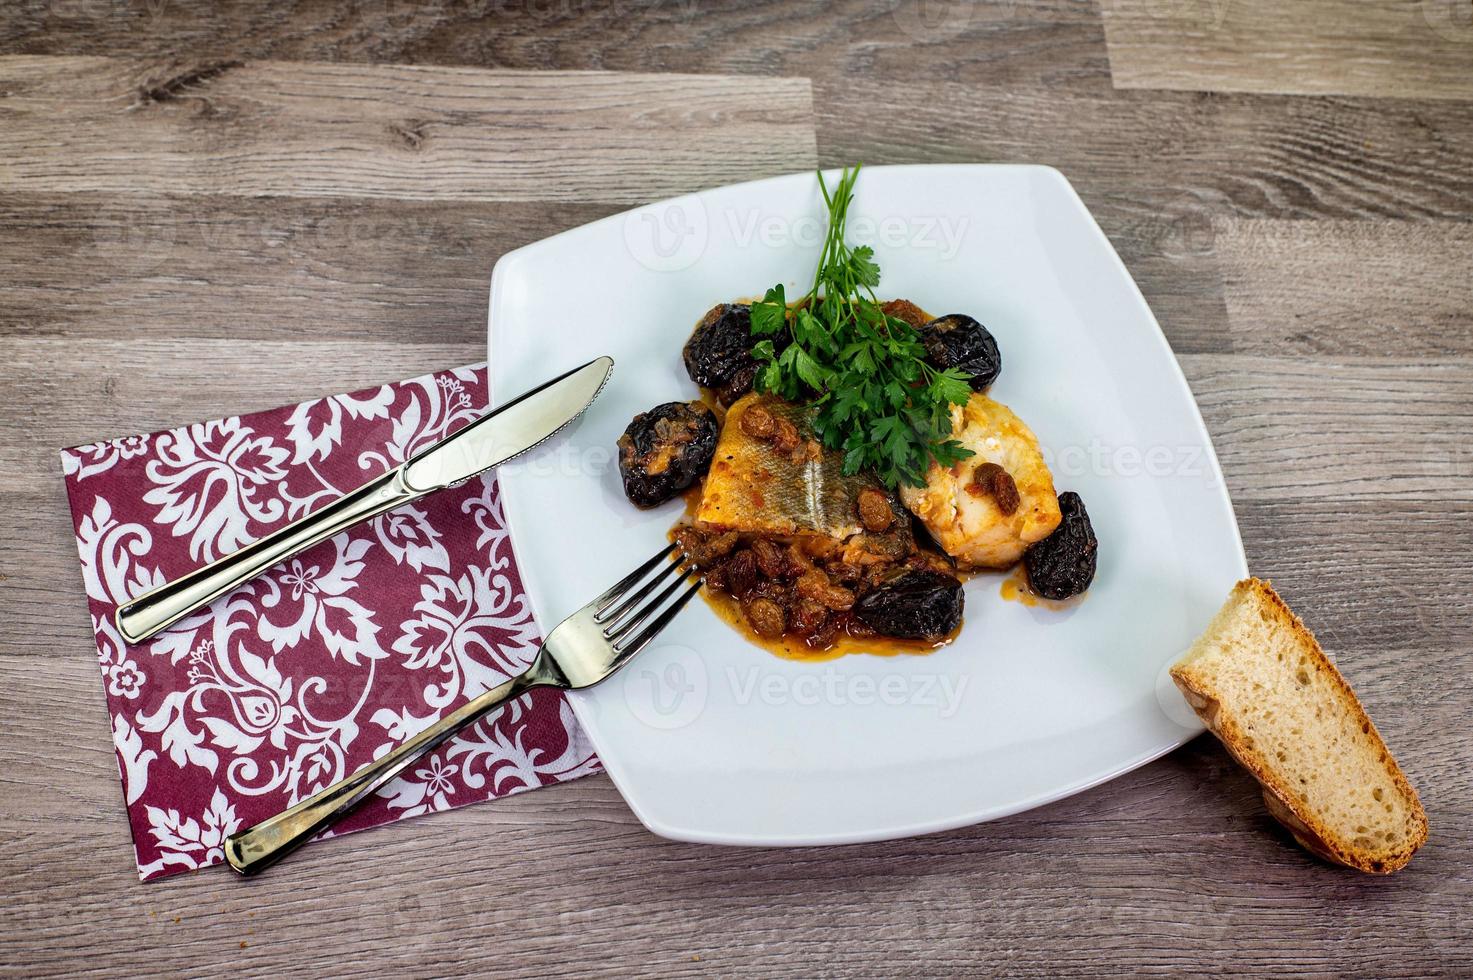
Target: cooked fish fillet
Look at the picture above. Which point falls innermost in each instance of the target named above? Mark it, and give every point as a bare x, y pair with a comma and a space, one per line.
755, 487
967, 521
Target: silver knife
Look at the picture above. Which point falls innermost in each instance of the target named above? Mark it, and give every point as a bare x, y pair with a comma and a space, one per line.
493, 439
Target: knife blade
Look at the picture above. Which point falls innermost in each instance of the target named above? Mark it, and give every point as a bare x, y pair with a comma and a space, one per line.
512, 429
502, 434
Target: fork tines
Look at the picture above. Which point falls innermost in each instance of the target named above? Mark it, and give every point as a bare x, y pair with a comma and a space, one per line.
623, 608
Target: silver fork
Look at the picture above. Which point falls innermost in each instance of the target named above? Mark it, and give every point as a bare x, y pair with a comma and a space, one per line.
582, 650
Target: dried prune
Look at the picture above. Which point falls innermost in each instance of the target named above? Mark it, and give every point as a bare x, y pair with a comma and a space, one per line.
914, 605
1063, 564
719, 352
665, 450
741, 383
958, 341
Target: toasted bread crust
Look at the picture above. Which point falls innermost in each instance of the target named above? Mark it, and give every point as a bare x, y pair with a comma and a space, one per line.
1302, 821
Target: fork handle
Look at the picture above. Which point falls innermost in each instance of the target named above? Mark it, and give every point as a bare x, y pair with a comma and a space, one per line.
258, 847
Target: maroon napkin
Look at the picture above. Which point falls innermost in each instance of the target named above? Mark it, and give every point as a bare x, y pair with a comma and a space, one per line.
327, 661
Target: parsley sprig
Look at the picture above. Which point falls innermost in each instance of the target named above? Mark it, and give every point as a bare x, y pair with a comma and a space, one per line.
877, 398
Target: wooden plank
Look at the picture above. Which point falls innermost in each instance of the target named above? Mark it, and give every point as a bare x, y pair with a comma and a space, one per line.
1384, 48
1164, 154
1343, 288
443, 134
993, 42
125, 387
1369, 576
247, 269
1170, 252
1175, 859
1335, 430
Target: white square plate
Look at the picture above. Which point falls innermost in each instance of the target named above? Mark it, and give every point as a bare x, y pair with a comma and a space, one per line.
713, 739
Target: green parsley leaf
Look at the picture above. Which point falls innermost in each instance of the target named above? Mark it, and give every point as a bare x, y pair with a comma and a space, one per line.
878, 399
866, 271
770, 315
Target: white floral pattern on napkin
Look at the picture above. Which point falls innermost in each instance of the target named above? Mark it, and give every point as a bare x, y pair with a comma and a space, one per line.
328, 660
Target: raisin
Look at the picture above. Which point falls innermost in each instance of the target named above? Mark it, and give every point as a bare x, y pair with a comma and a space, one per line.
665, 450
807, 617
716, 579
758, 422
1063, 564
815, 585
770, 558
765, 617
705, 548
785, 436
931, 561
958, 341
740, 573
991, 480
798, 560
691, 540
874, 510
914, 605
825, 635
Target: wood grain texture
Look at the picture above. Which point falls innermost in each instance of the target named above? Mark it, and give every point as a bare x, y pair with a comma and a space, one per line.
1390, 48
1173, 158
409, 132
380, 272
1338, 429
1308, 259
1348, 288
989, 42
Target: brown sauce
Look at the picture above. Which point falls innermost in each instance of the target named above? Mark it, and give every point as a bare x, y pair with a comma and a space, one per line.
791, 647
1015, 588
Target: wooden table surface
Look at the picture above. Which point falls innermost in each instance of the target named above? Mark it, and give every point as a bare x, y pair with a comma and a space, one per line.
208, 209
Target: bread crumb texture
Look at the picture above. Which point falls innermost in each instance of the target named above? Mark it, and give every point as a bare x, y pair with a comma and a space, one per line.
1261, 683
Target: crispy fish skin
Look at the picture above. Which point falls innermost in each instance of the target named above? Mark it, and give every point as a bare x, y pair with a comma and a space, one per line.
970, 525
755, 488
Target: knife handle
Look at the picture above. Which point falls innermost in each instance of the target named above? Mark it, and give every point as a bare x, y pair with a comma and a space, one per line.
160, 608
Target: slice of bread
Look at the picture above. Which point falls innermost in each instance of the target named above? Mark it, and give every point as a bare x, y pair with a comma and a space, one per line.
1262, 685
